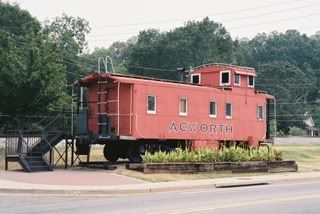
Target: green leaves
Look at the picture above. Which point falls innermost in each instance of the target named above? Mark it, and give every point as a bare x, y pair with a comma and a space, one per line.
32, 78
232, 154
69, 34
194, 44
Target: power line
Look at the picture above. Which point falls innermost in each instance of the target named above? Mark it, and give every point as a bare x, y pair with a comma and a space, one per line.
149, 68
196, 17
73, 62
276, 21
226, 20
242, 26
269, 13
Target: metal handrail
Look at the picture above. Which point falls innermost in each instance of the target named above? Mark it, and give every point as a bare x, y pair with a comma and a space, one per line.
18, 140
224, 64
105, 62
59, 116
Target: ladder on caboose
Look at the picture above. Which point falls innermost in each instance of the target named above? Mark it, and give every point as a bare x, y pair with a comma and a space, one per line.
102, 105
104, 122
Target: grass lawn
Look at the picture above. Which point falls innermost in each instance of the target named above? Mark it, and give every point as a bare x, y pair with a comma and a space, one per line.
306, 156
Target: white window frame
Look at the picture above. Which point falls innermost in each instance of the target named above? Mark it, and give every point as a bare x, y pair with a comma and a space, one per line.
231, 111
192, 75
234, 81
262, 109
229, 81
183, 113
248, 78
155, 104
216, 106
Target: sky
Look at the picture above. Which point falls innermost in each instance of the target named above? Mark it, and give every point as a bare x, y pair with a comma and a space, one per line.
118, 20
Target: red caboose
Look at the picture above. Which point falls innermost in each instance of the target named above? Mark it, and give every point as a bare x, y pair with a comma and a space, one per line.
130, 114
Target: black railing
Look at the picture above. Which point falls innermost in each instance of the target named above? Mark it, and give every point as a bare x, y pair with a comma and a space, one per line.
22, 141
18, 141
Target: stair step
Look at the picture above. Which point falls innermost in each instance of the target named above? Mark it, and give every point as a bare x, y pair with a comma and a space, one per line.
40, 168
37, 164
30, 159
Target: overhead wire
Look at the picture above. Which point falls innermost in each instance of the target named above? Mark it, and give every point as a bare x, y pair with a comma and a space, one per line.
228, 20
196, 17
275, 21
74, 61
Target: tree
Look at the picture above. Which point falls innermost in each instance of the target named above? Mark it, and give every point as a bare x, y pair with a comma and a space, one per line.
32, 79
17, 22
291, 46
291, 86
70, 35
194, 44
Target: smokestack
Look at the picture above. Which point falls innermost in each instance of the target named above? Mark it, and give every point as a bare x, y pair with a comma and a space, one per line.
181, 74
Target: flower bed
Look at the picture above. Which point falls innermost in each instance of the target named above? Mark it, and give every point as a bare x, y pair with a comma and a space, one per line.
233, 160
233, 154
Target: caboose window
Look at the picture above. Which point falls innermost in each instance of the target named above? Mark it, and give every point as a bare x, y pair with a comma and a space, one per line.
151, 104
195, 78
183, 106
250, 81
260, 112
224, 78
237, 79
213, 109
228, 110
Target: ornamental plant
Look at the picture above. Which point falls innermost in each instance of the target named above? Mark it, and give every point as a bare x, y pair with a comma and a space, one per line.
232, 154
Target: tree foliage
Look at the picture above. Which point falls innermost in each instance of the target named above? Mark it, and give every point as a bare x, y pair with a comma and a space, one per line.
32, 78
17, 22
288, 68
191, 45
70, 35
291, 87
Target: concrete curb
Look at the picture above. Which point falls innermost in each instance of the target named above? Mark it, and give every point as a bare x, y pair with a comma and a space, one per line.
156, 187
241, 183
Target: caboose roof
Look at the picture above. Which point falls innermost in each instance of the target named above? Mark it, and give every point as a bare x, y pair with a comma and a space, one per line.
94, 76
220, 66
124, 78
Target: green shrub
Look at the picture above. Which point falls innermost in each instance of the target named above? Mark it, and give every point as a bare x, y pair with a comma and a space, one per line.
296, 131
232, 154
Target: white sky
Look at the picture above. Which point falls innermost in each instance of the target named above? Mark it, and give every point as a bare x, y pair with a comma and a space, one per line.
118, 20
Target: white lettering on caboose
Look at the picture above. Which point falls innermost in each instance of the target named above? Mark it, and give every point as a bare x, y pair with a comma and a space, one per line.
200, 127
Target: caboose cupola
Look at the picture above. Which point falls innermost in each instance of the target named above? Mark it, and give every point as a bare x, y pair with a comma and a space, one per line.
224, 76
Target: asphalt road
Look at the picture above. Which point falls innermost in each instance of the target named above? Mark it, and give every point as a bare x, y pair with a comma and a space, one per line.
276, 198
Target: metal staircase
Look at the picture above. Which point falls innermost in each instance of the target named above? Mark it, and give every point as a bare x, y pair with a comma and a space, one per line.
34, 163
30, 147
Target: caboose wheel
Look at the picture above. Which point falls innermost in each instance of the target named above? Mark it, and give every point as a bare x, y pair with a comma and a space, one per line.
111, 153
134, 154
